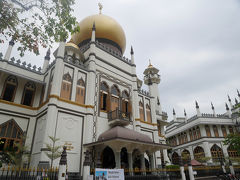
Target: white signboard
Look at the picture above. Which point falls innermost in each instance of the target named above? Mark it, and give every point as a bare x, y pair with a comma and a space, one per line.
90, 177
109, 174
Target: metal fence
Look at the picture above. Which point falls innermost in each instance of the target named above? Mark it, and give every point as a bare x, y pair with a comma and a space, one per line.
12, 173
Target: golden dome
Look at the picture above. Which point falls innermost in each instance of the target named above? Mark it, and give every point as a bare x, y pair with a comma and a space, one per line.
70, 44
106, 28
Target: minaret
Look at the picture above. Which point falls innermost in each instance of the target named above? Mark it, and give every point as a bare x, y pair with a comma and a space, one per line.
9, 50
93, 37
185, 115
213, 109
174, 115
236, 101
46, 61
132, 56
238, 94
230, 102
134, 100
152, 79
197, 109
228, 110
90, 135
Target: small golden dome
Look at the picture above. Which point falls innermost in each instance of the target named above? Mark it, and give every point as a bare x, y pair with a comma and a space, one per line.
106, 28
71, 44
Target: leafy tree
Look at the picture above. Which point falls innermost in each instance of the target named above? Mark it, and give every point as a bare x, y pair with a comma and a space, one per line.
234, 139
53, 150
16, 155
35, 23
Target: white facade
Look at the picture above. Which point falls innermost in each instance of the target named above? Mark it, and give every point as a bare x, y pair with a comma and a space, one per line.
66, 104
202, 135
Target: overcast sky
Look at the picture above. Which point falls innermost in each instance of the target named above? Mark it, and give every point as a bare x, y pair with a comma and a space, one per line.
194, 43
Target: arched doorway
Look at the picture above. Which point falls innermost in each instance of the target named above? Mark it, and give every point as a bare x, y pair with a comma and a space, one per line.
175, 158
124, 159
199, 154
185, 156
136, 159
232, 152
108, 158
217, 153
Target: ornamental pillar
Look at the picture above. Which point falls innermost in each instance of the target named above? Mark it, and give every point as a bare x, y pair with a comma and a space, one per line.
63, 165
130, 163
143, 167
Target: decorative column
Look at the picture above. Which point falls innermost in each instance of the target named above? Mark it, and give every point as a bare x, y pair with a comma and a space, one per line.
134, 98
46, 61
118, 159
198, 109
190, 170
58, 70
231, 168
143, 168
182, 169
207, 151
63, 165
130, 163
213, 109
9, 50
86, 164
223, 166
91, 126
152, 164
185, 115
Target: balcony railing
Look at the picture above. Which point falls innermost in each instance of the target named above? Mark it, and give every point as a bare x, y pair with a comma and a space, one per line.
118, 117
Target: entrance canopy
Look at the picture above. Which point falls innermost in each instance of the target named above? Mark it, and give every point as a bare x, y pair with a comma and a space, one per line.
124, 137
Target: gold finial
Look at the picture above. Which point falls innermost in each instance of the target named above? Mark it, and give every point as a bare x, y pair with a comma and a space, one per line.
150, 65
100, 8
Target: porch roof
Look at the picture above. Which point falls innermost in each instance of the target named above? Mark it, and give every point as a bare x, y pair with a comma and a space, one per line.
125, 142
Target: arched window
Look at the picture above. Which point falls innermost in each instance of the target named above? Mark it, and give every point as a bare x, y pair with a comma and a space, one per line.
104, 97
198, 132
185, 137
10, 134
216, 152
114, 98
66, 86
175, 158
159, 129
179, 139
50, 86
224, 132
198, 153
28, 94
125, 101
194, 134
232, 152
208, 132
148, 111
185, 156
215, 130
174, 141
230, 129
80, 91
141, 111
9, 89
190, 134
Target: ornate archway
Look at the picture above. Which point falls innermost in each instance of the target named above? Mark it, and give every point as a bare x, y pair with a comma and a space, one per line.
175, 158
108, 158
199, 153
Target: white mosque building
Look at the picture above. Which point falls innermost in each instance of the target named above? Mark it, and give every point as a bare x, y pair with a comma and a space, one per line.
89, 97
201, 136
